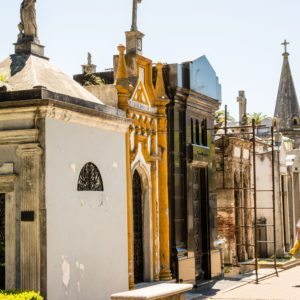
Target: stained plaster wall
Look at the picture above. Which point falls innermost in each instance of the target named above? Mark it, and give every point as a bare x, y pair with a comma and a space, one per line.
86, 231
264, 199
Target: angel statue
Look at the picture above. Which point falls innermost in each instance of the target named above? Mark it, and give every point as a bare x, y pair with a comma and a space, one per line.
28, 26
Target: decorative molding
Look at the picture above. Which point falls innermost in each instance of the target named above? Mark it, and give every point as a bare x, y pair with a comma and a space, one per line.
65, 115
6, 169
18, 136
29, 149
7, 183
68, 113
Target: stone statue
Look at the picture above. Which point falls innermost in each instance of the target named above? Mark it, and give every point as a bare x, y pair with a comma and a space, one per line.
89, 60
28, 26
134, 14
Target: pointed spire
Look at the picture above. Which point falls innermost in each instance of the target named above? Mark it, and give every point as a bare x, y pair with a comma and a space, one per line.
160, 85
287, 106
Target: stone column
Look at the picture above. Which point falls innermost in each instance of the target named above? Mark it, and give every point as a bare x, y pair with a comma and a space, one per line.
154, 209
30, 176
164, 226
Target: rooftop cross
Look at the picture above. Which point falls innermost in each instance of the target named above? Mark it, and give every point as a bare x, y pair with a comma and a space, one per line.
285, 44
134, 14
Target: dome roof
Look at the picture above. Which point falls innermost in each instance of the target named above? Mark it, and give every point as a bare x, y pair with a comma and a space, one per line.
25, 72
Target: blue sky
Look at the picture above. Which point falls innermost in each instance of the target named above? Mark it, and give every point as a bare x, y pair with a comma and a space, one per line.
241, 38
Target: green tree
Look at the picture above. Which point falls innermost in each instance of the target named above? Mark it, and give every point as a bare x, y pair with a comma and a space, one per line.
92, 79
258, 118
220, 117
3, 78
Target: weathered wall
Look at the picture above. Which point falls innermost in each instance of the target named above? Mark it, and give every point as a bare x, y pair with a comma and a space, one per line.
86, 231
264, 199
106, 93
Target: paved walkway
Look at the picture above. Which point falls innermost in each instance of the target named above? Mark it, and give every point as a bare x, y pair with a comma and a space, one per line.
243, 287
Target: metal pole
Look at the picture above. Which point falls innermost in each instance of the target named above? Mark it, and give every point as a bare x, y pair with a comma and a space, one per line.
223, 160
255, 200
274, 208
225, 120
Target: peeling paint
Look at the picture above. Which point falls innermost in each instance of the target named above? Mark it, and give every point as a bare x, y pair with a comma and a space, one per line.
65, 272
73, 167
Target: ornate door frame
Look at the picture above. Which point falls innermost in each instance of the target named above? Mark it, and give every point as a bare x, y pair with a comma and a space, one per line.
147, 217
7, 187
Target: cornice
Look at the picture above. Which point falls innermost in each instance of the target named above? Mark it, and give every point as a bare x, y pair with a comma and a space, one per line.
10, 137
39, 109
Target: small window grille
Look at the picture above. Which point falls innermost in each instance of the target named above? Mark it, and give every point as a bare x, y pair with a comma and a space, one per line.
90, 178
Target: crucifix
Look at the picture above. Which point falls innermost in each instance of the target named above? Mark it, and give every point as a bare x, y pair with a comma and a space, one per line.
285, 44
134, 14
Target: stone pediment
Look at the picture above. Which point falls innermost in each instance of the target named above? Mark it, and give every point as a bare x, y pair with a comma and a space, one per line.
140, 95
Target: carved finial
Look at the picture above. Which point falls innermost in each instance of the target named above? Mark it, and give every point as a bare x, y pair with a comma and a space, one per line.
122, 68
134, 14
285, 44
122, 81
160, 85
28, 26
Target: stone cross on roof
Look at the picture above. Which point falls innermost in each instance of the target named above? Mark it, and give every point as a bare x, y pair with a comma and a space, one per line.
134, 14
285, 44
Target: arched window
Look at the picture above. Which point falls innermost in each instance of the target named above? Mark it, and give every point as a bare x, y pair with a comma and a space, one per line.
192, 131
90, 178
197, 133
295, 122
204, 132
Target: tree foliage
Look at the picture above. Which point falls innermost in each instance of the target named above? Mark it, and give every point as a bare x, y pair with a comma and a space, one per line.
16, 295
220, 117
258, 118
92, 79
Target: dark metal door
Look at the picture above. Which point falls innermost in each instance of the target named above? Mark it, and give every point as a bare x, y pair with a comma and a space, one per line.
201, 224
2, 241
138, 228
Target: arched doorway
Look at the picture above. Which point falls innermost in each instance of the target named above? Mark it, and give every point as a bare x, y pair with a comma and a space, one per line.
138, 228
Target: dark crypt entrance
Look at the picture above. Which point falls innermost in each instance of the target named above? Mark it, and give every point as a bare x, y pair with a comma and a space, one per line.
138, 228
201, 224
2, 241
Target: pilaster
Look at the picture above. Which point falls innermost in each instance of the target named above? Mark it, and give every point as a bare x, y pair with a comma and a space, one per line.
129, 214
30, 173
164, 226
155, 214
